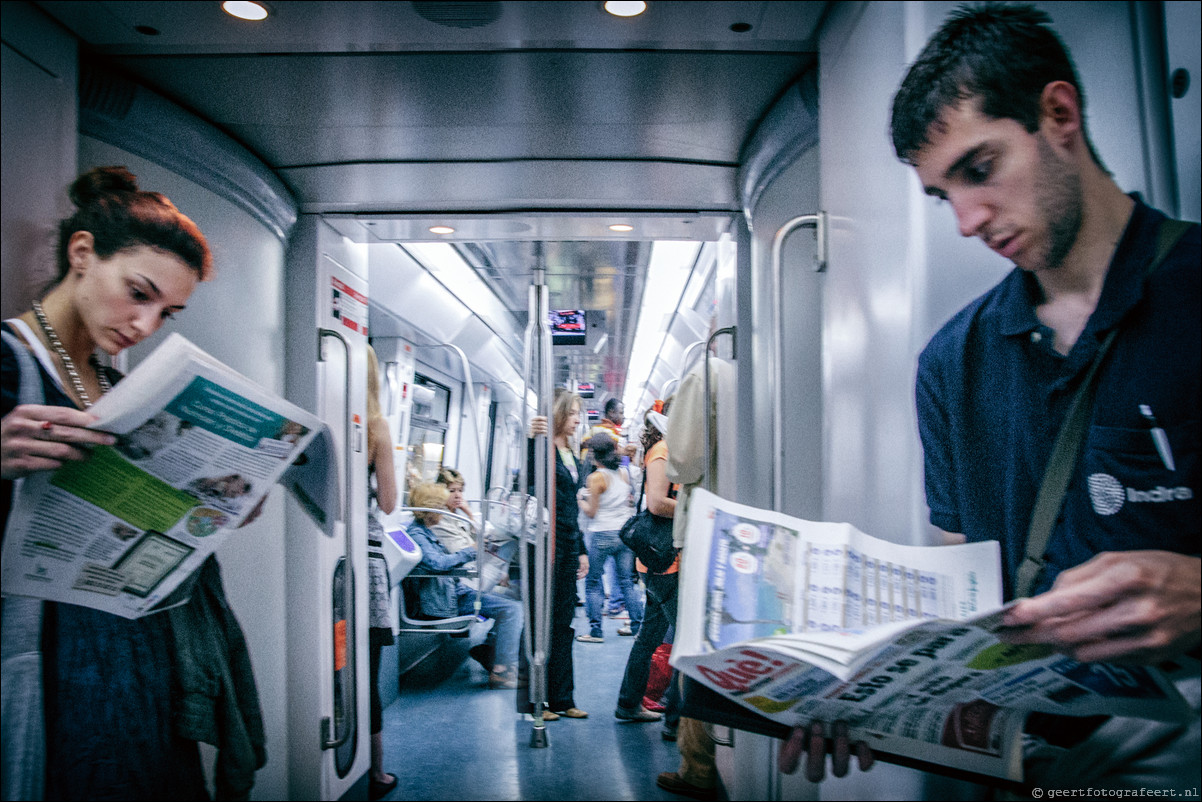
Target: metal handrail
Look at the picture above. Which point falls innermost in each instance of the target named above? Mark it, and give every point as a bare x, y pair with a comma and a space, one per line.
470, 390
707, 475
818, 222
430, 625
688, 354
536, 637
348, 583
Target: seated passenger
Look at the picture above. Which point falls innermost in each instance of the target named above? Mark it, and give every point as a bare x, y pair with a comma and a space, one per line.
456, 534
449, 596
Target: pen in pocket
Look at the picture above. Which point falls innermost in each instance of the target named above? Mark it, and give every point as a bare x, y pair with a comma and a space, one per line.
1159, 438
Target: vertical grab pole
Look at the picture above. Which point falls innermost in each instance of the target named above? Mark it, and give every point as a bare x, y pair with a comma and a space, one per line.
818, 223
536, 638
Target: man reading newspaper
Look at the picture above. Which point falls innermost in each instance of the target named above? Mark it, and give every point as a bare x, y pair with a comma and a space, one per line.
992, 118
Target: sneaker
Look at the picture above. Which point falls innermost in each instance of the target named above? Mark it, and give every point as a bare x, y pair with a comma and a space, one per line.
627, 630
619, 613
671, 781
592, 637
571, 712
640, 715
653, 705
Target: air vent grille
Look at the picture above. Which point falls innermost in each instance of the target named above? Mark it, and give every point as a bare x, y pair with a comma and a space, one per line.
459, 15
105, 94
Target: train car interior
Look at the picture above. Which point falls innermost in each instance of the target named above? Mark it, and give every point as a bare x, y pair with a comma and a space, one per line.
510, 196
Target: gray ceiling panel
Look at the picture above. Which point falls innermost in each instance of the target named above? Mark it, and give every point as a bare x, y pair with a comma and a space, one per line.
544, 120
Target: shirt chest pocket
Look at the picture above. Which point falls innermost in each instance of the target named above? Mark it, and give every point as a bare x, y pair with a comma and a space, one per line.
1141, 490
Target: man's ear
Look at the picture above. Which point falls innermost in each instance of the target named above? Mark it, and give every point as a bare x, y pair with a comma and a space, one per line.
1060, 114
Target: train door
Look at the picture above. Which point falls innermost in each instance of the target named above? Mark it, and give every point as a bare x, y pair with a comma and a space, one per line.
327, 574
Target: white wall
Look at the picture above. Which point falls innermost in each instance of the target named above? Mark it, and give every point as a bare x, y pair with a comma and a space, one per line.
794, 193
38, 116
238, 317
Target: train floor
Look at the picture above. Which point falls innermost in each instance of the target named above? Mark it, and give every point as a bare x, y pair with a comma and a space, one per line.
448, 736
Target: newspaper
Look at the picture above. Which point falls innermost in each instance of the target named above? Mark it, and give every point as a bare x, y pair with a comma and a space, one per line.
198, 447
800, 621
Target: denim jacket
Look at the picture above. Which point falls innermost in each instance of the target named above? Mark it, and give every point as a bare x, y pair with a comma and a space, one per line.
438, 596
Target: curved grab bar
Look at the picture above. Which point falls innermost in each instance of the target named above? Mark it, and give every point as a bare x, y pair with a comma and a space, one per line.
688, 354
391, 369
348, 584
707, 475
470, 390
818, 222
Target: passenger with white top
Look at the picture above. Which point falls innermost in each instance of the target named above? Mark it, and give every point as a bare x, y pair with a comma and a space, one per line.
609, 503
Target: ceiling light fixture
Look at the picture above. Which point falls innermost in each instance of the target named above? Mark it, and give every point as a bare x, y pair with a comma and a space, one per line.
625, 8
441, 230
245, 9
622, 227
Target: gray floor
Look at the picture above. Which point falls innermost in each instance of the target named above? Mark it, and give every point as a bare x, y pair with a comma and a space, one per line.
448, 736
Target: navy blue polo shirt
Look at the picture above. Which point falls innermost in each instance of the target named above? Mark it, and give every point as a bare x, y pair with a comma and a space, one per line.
992, 394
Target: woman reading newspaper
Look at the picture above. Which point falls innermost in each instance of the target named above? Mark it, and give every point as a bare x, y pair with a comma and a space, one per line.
127, 262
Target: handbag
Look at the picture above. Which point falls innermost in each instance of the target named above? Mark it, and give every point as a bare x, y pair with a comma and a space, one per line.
649, 536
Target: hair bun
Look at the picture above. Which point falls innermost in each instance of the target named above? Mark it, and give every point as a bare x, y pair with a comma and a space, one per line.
101, 182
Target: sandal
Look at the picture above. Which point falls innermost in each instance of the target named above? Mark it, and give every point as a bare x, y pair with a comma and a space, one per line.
502, 677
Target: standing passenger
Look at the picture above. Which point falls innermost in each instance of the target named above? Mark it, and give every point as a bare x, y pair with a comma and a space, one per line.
570, 561
609, 503
379, 615
610, 425
660, 611
128, 261
992, 118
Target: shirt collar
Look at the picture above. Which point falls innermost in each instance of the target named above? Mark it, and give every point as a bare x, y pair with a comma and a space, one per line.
1020, 293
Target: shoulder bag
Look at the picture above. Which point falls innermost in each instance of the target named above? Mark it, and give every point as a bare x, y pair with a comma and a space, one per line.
649, 536
1068, 443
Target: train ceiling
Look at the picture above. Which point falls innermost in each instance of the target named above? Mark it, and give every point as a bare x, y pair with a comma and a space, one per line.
542, 119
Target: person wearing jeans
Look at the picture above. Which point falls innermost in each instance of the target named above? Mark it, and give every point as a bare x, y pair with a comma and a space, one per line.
660, 610
604, 545
608, 501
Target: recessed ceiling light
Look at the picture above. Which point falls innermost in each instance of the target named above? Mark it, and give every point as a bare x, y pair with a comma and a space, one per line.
244, 9
441, 230
623, 227
625, 8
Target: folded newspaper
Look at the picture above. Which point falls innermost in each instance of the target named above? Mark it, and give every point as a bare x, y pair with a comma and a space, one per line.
800, 621
198, 447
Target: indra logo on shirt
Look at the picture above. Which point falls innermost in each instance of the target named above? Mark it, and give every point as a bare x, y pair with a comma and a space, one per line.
1108, 494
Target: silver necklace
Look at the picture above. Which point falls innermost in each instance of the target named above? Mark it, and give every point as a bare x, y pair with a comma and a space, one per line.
68, 363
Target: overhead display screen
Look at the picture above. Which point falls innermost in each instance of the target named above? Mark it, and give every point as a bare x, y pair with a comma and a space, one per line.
568, 327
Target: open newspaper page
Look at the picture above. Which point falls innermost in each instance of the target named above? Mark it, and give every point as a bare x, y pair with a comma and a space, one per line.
799, 621
198, 448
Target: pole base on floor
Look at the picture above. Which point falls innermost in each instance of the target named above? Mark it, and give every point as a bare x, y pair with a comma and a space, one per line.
538, 738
